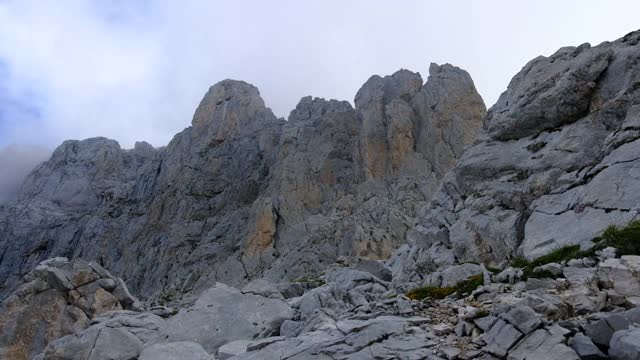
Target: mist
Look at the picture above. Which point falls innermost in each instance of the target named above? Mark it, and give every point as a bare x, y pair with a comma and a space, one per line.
15, 164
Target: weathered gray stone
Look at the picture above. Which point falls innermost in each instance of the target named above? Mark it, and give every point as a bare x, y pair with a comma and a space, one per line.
553, 268
509, 275
584, 347
616, 274
232, 349
175, 351
58, 298
485, 323
223, 314
602, 330
120, 337
543, 345
500, 338
523, 318
625, 345
263, 288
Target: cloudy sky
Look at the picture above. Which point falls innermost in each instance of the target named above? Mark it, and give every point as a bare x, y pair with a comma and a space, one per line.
136, 69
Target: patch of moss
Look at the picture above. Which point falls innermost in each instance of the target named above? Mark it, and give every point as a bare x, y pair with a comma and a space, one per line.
432, 292
541, 274
482, 313
310, 281
519, 262
462, 288
493, 270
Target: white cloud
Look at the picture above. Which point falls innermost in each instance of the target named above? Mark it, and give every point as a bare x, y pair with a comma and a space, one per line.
136, 70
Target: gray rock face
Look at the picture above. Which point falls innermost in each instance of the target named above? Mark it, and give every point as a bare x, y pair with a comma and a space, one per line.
543, 344
175, 351
241, 194
120, 336
540, 174
602, 330
625, 345
58, 298
223, 314
584, 347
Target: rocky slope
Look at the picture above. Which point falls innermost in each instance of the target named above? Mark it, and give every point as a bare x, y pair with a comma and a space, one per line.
557, 161
241, 193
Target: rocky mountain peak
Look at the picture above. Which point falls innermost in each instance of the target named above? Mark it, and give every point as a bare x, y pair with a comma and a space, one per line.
230, 108
242, 194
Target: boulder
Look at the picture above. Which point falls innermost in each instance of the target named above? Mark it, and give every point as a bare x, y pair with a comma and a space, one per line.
584, 347
120, 336
175, 351
501, 338
223, 314
232, 349
59, 297
602, 330
625, 345
523, 318
543, 344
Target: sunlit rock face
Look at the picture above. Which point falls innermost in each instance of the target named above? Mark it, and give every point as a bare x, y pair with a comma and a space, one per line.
557, 161
242, 194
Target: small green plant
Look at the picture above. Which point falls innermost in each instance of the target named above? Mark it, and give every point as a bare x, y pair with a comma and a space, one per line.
625, 239
493, 270
462, 288
432, 292
310, 281
482, 313
541, 274
465, 287
519, 262
558, 255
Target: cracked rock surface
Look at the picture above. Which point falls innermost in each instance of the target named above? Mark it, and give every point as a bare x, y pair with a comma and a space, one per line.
241, 194
557, 161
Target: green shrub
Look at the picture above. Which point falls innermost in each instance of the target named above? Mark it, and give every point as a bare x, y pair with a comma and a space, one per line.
625, 239
482, 313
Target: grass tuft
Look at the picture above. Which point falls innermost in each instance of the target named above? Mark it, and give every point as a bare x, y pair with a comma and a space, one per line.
625, 239
462, 288
465, 287
432, 292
